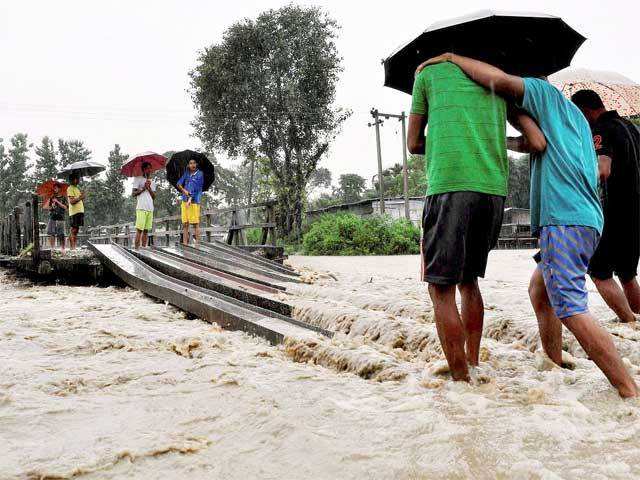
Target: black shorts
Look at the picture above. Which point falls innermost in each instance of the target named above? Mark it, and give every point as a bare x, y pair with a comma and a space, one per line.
77, 220
459, 230
618, 252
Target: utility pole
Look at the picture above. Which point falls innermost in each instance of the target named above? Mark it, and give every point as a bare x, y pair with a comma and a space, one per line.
376, 123
405, 174
405, 168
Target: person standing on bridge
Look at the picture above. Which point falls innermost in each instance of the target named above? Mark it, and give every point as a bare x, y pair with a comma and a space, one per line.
190, 185
144, 190
76, 209
57, 209
467, 171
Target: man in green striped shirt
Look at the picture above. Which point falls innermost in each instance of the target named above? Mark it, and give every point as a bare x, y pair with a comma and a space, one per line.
467, 174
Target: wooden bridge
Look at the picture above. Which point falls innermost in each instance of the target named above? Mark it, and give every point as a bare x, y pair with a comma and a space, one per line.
228, 224
24, 242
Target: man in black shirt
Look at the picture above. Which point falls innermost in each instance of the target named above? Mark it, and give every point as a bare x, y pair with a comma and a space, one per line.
617, 143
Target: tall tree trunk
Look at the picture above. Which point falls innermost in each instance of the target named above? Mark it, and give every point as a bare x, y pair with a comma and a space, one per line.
289, 211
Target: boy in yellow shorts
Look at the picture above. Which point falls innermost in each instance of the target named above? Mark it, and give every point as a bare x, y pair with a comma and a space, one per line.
144, 189
190, 184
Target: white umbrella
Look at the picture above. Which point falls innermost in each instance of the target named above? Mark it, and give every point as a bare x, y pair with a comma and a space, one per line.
617, 91
84, 168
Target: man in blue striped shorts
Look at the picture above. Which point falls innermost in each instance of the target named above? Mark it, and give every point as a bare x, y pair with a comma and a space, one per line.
565, 213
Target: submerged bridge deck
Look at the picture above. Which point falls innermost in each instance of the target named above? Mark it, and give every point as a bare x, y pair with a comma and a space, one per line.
213, 295
215, 281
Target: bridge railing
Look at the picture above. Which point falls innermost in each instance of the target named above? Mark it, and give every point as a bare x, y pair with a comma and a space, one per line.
20, 228
227, 224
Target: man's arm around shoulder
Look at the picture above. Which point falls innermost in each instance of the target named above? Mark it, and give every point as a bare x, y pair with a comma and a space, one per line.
508, 86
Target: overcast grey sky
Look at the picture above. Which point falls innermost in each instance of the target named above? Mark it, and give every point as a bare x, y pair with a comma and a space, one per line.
116, 71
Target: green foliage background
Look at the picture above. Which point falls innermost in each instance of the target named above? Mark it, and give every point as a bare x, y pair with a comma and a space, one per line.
348, 234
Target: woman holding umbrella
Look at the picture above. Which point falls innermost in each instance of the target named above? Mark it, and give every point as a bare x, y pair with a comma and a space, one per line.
54, 194
191, 184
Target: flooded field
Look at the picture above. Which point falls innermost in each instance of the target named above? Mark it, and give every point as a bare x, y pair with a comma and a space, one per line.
108, 383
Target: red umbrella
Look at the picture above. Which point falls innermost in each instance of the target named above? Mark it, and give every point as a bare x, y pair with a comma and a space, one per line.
45, 189
133, 167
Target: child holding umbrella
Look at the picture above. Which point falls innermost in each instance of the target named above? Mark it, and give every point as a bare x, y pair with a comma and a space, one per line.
191, 185
140, 167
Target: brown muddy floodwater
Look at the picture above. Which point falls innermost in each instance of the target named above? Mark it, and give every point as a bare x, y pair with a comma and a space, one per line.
108, 383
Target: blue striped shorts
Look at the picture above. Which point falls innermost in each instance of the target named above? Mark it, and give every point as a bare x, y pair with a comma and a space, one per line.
565, 252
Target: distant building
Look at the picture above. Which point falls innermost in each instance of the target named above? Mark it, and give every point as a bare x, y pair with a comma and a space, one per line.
394, 207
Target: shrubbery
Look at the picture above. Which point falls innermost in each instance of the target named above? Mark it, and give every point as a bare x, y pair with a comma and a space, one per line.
348, 234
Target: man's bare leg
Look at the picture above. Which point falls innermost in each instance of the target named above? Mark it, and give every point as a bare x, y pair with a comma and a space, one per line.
632, 293
450, 329
52, 242
62, 244
615, 298
599, 346
185, 234
138, 238
472, 319
73, 238
548, 323
144, 239
196, 234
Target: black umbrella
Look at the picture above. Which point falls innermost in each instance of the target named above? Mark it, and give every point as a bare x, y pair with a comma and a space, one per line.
178, 164
83, 168
524, 44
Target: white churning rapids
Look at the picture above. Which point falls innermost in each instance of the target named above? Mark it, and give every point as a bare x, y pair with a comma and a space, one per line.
107, 383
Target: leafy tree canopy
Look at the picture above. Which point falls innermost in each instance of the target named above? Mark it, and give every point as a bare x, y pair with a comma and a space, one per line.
269, 88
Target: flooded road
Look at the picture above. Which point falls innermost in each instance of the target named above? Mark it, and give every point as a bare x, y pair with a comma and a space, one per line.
108, 383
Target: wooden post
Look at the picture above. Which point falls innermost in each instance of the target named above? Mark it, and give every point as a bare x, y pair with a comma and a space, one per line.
35, 230
166, 234
17, 212
240, 238
25, 223
405, 168
3, 237
232, 225
126, 233
208, 224
265, 230
269, 231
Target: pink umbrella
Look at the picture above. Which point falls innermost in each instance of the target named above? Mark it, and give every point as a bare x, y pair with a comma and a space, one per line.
617, 91
133, 167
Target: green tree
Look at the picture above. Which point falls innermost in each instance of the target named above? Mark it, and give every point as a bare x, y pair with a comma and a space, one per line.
15, 184
4, 160
72, 151
321, 178
518, 193
269, 88
351, 187
116, 184
394, 181
46, 163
